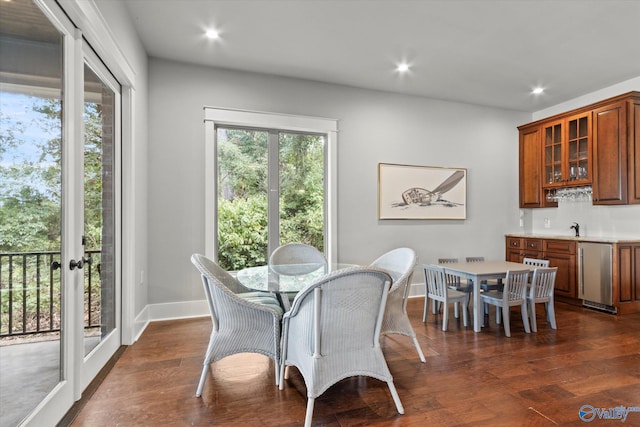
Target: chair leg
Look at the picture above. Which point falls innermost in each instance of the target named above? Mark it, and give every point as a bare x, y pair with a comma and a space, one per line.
396, 398
445, 316
456, 310
282, 370
551, 312
203, 378
532, 314
309, 415
507, 322
525, 316
205, 366
420, 354
465, 314
498, 315
484, 305
426, 309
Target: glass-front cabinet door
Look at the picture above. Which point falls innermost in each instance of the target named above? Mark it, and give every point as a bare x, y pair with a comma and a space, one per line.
579, 148
567, 152
552, 134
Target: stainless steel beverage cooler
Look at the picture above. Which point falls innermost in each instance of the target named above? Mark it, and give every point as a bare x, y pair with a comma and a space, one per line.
595, 275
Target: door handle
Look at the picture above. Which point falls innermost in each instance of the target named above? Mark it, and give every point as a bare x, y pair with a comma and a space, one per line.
73, 264
78, 264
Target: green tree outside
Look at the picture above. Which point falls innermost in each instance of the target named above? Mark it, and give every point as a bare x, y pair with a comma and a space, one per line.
243, 188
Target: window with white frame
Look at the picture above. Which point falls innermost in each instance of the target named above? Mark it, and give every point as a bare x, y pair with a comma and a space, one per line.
269, 182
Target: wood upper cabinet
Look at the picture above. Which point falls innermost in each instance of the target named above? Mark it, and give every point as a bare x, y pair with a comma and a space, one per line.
596, 145
531, 195
616, 152
610, 154
633, 135
566, 158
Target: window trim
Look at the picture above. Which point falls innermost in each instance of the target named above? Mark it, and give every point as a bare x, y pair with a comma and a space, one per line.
214, 117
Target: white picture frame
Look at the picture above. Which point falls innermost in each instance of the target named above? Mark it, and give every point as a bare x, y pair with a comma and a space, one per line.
421, 192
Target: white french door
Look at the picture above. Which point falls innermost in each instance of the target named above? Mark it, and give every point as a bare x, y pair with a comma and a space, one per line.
100, 225
73, 137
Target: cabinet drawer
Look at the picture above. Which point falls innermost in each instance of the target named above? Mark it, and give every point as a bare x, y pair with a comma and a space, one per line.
513, 243
533, 244
560, 246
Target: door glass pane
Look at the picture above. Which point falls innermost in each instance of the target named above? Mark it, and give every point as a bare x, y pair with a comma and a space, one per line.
242, 197
99, 210
302, 189
30, 208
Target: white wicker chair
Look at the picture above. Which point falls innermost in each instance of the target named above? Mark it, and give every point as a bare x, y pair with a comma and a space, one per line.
243, 322
437, 290
293, 259
541, 291
514, 293
332, 332
306, 258
399, 263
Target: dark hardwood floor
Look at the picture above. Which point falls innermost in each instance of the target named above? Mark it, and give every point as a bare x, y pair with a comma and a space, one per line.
470, 379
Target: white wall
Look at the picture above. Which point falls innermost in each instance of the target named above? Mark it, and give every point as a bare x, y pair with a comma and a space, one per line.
116, 16
373, 127
601, 221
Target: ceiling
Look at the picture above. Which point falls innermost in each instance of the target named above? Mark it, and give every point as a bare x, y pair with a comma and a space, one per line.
481, 52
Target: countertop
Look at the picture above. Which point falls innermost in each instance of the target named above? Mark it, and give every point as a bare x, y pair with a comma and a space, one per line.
594, 239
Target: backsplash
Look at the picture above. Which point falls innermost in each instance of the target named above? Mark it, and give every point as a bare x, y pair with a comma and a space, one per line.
595, 221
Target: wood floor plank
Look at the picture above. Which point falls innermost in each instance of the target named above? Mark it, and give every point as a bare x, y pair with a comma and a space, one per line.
470, 379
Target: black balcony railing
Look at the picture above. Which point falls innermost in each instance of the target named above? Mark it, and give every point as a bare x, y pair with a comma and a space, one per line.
30, 292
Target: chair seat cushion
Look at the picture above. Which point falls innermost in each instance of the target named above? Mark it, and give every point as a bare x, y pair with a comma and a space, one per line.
263, 298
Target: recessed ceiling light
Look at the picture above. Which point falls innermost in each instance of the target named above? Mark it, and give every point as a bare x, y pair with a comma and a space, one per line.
212, 34
537, 90
403, 67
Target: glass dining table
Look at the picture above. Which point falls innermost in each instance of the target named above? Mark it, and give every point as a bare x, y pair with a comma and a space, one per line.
285, 279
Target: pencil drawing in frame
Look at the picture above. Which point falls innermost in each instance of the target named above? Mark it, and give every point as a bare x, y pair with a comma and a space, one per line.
421, 192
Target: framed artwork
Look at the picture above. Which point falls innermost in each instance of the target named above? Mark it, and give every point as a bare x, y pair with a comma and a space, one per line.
421, 192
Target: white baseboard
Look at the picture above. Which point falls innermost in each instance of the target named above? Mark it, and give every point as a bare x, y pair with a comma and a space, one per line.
189, 309
169, 311
416, 290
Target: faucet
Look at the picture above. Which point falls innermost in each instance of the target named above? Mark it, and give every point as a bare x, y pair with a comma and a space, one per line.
576, 227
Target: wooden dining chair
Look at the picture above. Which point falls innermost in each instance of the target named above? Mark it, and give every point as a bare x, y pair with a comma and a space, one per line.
514, 293
536, 262
438, 291
541, 291
456, 283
